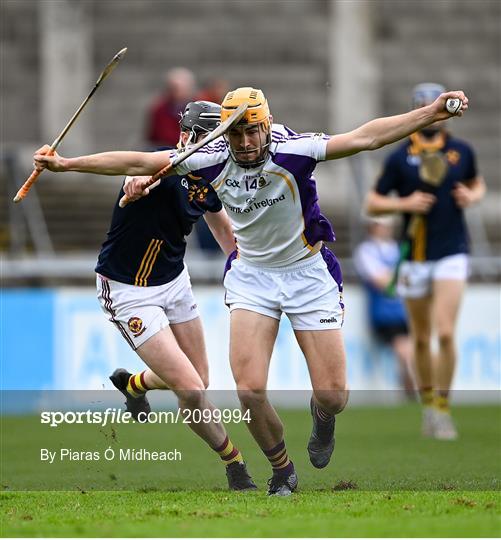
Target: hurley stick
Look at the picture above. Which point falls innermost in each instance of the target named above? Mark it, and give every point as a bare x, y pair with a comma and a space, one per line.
23, 191
432, 171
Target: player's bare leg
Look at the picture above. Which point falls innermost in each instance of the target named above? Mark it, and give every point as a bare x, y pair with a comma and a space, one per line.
447, 295
326, 359
402, 347
252, 337
419, 310
163, 355
153, 381
190, 337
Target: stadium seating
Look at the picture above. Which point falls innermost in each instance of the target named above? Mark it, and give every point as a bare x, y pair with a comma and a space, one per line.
289, 60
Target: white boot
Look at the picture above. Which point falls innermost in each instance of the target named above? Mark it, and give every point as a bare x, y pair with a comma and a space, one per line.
445, 430
428, 423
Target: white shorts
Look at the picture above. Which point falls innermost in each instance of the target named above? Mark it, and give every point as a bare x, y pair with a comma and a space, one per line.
141, 312
415, 278
309, 291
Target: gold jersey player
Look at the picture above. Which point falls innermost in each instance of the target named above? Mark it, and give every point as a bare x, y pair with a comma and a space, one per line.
262, 172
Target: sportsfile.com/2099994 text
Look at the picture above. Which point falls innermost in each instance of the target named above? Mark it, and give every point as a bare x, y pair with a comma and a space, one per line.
118, 416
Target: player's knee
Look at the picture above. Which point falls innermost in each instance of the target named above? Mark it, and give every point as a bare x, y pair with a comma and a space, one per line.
191, 399
422, 342
205, 380
250, 399
446, 339
332, 401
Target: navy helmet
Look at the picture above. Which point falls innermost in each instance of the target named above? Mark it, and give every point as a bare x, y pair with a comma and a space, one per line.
200, 117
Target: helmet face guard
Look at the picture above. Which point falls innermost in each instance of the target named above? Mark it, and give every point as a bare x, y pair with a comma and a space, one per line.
261, 148
423, 94
199, 117
426, 93
258, 113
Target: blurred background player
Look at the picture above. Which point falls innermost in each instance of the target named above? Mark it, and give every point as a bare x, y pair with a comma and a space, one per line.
162, 129
432, 280
375, 259
144, 288
264, 177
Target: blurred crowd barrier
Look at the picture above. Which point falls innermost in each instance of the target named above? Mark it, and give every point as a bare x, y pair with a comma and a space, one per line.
58, 339
345, 63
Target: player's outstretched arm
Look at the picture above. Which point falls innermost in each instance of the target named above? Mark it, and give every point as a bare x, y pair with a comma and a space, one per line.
107, 163
383, 131
220, 226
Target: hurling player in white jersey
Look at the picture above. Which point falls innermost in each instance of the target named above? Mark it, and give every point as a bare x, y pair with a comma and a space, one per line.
263, 175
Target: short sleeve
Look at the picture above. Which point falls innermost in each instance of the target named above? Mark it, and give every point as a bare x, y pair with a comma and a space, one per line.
208, 156
213, 203
312, 145
190, 164
319, 146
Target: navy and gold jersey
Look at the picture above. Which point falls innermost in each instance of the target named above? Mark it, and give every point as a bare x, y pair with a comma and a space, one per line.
146, 241
442, 231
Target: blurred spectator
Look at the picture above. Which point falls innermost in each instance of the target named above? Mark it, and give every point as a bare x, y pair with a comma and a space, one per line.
375, 259
214, 90
165, 111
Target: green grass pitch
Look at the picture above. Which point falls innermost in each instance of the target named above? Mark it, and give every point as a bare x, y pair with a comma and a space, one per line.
385, 480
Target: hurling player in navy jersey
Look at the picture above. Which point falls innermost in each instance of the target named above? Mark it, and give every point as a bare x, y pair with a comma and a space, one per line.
263, 173
432, 280
145, 290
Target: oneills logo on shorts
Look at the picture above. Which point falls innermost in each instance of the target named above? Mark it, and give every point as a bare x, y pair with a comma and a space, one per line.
136, 326
330, 320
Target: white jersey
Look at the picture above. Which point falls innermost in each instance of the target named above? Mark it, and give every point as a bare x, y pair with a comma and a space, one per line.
273, 208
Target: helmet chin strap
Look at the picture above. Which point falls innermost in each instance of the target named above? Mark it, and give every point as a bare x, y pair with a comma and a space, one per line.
263, 154
192, 138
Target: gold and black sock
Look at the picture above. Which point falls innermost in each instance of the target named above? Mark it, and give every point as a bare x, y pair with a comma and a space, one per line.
136, 386
229, 453
441, 402
427, 396
280, 462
